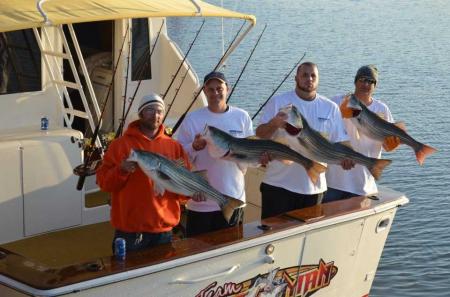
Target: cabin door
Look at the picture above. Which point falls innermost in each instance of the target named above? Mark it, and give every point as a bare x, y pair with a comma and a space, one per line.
96, 43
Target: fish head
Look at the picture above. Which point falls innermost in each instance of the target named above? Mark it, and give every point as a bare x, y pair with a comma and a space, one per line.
217, 141
146, 160
354, 106
294, 122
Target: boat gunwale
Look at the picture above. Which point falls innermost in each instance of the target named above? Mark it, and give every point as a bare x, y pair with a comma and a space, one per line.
78, 277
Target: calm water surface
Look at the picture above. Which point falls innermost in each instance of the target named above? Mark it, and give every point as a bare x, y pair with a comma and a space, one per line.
409, 41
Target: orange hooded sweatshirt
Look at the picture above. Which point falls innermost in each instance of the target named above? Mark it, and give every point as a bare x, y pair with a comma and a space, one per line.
135, 208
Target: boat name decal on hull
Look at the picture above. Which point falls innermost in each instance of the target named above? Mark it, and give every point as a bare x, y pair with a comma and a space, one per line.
295, 281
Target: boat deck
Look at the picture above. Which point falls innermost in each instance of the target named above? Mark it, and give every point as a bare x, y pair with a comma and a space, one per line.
63, 258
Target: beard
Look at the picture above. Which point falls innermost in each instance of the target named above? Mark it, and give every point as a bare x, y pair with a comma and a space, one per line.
308, 89
151, 125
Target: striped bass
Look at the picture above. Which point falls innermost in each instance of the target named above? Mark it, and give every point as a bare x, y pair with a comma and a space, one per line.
371, 125
168, 175
313, 145
249, 150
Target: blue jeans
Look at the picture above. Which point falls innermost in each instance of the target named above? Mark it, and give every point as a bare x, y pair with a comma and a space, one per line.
139, 241
334, 195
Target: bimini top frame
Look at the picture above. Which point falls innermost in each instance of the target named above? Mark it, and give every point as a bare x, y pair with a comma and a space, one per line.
26, 14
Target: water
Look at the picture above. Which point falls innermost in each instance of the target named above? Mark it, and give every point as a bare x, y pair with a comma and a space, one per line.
409, 41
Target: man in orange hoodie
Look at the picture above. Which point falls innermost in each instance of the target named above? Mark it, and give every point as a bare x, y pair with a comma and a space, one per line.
137, 214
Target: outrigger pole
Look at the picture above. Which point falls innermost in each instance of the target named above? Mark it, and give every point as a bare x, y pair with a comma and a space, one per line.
122, 122
276, 89
246, 63
184, 59
84, 169
225, 54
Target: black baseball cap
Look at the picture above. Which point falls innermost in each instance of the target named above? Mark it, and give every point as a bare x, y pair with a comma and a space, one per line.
215, 75
367, 71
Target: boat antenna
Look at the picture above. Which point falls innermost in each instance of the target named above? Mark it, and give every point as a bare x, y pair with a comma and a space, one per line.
181, 119
122, 122
184, 59
246, 63
229, 45
85, 168
276, 89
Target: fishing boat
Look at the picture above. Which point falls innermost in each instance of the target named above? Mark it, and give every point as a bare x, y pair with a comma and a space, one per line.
65, 66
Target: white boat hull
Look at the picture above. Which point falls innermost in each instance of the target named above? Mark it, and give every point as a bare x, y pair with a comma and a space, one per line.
333, 256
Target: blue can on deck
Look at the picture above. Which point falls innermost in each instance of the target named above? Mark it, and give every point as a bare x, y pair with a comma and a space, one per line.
44, 123
120, 248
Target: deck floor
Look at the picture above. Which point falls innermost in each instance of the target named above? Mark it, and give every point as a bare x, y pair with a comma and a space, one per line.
66, 247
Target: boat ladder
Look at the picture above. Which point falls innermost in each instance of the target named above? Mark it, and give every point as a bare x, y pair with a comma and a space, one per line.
53, 59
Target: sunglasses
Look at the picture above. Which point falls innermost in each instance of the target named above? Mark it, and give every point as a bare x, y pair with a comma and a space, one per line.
367, 80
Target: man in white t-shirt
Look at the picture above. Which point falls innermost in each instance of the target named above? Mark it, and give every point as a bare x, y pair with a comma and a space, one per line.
225, 176
358, 181
287, 187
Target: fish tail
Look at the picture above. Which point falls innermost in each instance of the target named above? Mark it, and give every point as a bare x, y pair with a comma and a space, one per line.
315, 170
378, 167
423, 151
230, 206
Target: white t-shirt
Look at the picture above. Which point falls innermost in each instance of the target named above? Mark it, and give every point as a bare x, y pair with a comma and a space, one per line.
223, 175
358, 180
322, 115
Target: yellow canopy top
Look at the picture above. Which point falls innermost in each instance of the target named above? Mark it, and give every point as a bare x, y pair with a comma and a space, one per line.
23, 14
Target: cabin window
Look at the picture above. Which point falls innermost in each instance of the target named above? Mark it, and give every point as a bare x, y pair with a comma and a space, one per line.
140, 51
20, 62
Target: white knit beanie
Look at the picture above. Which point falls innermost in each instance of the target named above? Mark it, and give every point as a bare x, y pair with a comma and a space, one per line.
151, 99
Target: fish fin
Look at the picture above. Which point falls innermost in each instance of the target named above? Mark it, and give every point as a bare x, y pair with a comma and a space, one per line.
287, 162
282, 140
378, 167
202, 173
230, 206
346, 111
315, 170
423, 152
390, 143
158, 189
357, 134
216, 152
243, 167
179, 162
401, 125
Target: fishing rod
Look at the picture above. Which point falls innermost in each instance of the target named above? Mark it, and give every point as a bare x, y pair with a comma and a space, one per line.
126, 76
176, 93
122, 122
276, 89
246, 63
85, 169
184, 59
181, 119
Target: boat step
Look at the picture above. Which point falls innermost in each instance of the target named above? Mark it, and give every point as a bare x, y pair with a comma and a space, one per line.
78, 113
67, 84
56, 54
